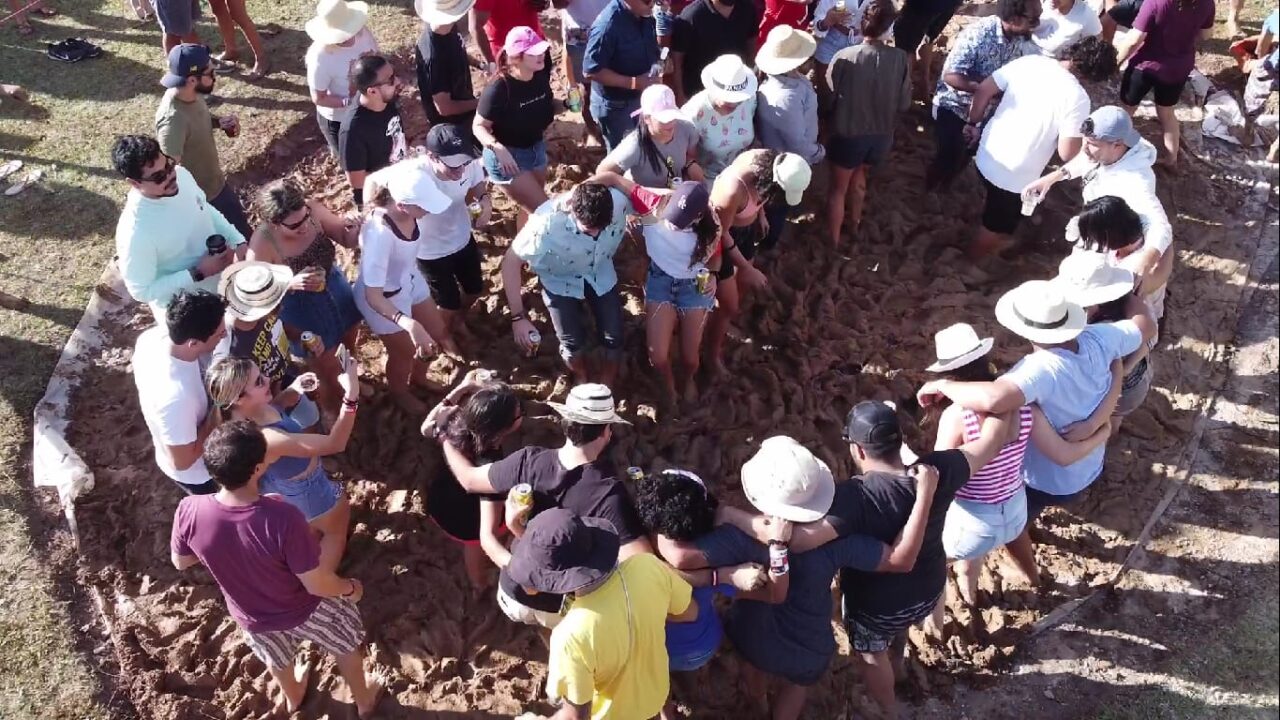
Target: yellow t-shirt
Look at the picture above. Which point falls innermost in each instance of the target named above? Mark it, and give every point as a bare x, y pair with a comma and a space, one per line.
597, 659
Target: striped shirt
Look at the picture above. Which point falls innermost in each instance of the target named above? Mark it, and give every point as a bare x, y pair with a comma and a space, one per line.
1001, 478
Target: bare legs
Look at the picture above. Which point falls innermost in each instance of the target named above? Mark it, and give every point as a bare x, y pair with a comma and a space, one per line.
477, 564
169, 42
728, 306
364, 691
230, 15
332, 527
400, 362
293, 682
878, 676
1233, 18
528, 191
660, 329
840, 181
1171, 130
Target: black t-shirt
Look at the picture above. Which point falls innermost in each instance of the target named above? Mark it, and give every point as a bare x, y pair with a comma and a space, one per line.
453, 509
444, 69
878, 504
521, 111
267, 349
370, 140
703, 35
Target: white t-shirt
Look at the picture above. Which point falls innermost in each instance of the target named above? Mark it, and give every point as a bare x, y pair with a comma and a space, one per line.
670, 249
329, 69
1057, 31
386, 260
173, 399
578, 16
1042, 102
448, 232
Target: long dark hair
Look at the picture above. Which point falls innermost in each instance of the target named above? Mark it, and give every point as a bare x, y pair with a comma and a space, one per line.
649, 152
1112, 310
707, 230
1108, 223
479, 424
768, 192
980, 370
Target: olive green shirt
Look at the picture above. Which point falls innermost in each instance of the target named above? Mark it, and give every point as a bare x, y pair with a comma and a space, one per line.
185, 130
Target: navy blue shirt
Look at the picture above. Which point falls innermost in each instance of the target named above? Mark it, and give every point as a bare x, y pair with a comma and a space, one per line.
621, 42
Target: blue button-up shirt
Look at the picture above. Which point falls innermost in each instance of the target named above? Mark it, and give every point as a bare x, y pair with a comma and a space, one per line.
622, 42
980, 50
563, 257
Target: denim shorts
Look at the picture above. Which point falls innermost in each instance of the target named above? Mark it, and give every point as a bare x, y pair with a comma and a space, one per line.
569, 317
662, 289
692, 661
1135, 389
663, 19
974, 528
529, 159
315, 494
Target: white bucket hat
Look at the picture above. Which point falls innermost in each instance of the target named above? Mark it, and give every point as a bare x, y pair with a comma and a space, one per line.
958, 346
589, 404
442, 12
784, 479
728, 79
784, 50
1088, 279
337, 21
1036, 310
253, 288
792, 174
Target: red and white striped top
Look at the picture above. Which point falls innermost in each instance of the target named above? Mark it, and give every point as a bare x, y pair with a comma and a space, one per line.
1001, 478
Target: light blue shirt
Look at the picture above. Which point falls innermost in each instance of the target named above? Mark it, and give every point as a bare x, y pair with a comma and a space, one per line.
566, 259
1068, 387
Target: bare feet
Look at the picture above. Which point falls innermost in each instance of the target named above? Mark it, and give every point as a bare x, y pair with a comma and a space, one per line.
376, 691
302, 674
260, 70
16, 92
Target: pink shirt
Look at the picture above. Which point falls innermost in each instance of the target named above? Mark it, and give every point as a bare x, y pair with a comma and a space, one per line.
1001, 478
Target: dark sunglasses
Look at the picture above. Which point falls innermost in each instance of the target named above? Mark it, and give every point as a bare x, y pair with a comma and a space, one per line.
294, 226
160, 176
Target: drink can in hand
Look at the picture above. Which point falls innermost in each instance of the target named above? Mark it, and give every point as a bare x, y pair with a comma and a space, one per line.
779, 559
312, 344
574, 101
535, 340
215, 244
703, 280
484, 376
475, 209
635, 474
521, 495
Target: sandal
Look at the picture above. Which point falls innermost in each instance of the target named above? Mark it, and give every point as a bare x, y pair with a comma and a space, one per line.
223, 67
32, 178
10, 168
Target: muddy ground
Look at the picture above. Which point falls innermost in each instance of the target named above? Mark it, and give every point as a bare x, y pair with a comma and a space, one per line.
834, 327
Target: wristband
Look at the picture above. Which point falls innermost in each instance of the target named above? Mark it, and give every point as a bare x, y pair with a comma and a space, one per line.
516, 317
715, 577
397, 318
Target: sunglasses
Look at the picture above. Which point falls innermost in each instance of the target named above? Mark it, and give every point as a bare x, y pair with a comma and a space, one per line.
294, 226
160, 176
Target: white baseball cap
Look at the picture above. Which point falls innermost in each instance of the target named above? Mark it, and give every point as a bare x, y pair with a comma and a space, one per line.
792, 174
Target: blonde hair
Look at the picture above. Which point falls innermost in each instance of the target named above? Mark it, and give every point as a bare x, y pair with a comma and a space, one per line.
227, 379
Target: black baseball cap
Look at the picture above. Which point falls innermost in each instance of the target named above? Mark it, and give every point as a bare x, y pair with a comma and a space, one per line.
873, 425
452, 144
185, 60
688, 203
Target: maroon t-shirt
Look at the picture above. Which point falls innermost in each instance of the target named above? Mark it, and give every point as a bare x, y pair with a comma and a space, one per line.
255, 553
1169, 51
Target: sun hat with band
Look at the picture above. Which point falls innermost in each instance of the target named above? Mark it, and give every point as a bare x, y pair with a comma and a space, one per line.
784, 50
659, 103
1089, 278
561, 552
1037, 311
442, 12
957, 346
792, 174
785, 480
589, 404
728, 80
253, 289
524, 40
337, 21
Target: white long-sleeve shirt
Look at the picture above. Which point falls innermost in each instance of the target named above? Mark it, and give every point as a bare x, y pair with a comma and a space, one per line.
1131, 179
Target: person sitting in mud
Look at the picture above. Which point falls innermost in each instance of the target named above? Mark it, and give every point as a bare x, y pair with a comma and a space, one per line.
991, 509
390, 291
569, 244
476, 417
754, 181
253, 291
304, 234
240, 391
169, 236
574, 476
1117, 162
1068, 375
167, 369
268, 564
607, 656
663, 149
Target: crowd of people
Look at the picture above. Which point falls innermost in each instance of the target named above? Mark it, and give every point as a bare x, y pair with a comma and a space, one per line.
713, 116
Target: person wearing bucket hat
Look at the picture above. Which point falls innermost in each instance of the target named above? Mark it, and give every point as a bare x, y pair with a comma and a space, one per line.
787, 105
443, 63
339, 35
704, 33
607, 657
663, 149
724, 113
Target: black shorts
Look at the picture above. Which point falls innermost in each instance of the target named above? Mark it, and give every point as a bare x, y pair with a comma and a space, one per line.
1125, 12
1002, 211
1135, 84
208, 487
851, 153
452, 276
921, 19
745, 239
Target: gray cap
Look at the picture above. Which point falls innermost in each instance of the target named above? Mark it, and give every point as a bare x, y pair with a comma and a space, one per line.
1110, 123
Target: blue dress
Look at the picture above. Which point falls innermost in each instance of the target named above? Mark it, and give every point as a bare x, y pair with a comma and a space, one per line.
330, 313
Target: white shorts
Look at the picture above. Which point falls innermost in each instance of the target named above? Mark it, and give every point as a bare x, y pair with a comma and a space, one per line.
517, 612
974, 529
413, 292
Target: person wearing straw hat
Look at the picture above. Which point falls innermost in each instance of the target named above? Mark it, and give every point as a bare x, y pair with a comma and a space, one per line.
663, 149
443, 63
705, 32
723, 112
608, 657
339, 35
787, 105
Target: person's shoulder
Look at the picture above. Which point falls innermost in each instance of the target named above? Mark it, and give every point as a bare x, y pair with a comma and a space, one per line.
947, 461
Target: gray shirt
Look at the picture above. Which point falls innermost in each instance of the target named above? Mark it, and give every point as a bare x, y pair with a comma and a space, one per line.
787, 117
676, 153
871, 86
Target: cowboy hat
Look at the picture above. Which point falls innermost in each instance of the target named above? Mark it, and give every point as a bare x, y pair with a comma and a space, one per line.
561, 552
337, 21
1088, 278
784, 50
1037, 311
253, 289
728, 79
957, 346
442, 12
784, 479
589, 404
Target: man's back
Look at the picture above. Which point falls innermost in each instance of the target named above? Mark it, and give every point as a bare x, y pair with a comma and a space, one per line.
173, 401
185, 130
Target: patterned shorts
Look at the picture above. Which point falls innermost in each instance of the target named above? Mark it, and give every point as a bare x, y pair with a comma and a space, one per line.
335, 626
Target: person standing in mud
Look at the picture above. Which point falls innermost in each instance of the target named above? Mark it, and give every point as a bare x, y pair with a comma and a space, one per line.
622, 49
372, 136
267, 563
444, 65
339, 36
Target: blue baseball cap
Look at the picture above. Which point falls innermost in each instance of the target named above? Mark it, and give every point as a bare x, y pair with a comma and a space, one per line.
186, 60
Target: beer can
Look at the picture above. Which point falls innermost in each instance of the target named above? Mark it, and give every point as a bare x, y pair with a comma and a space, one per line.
311, 343
535, 339
635, 474
521, 495
476, 210
484, 376
779, 562
574, 102
703, 281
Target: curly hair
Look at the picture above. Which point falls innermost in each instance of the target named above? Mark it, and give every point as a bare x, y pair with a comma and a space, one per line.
592, 205
760, 165
480, 422
673, 503
1092, 59
707, 232
130, 154
280, 199
1010, 10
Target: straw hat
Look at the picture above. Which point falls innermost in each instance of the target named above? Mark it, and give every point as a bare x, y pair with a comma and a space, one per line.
253, 289
728, 79
1088, 279
589, 404
784, 50
784, 479
1036, 310
442, 12
337, 21
958, 346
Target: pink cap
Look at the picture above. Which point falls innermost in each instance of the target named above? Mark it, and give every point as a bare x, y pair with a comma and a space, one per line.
659, 103
523, 40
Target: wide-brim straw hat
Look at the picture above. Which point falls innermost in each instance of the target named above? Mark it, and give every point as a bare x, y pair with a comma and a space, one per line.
1037, 311
337, 21
784, 50
957, 346
785, 480
1088, 278
589, 404
253, 289
442, 12
728, 79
